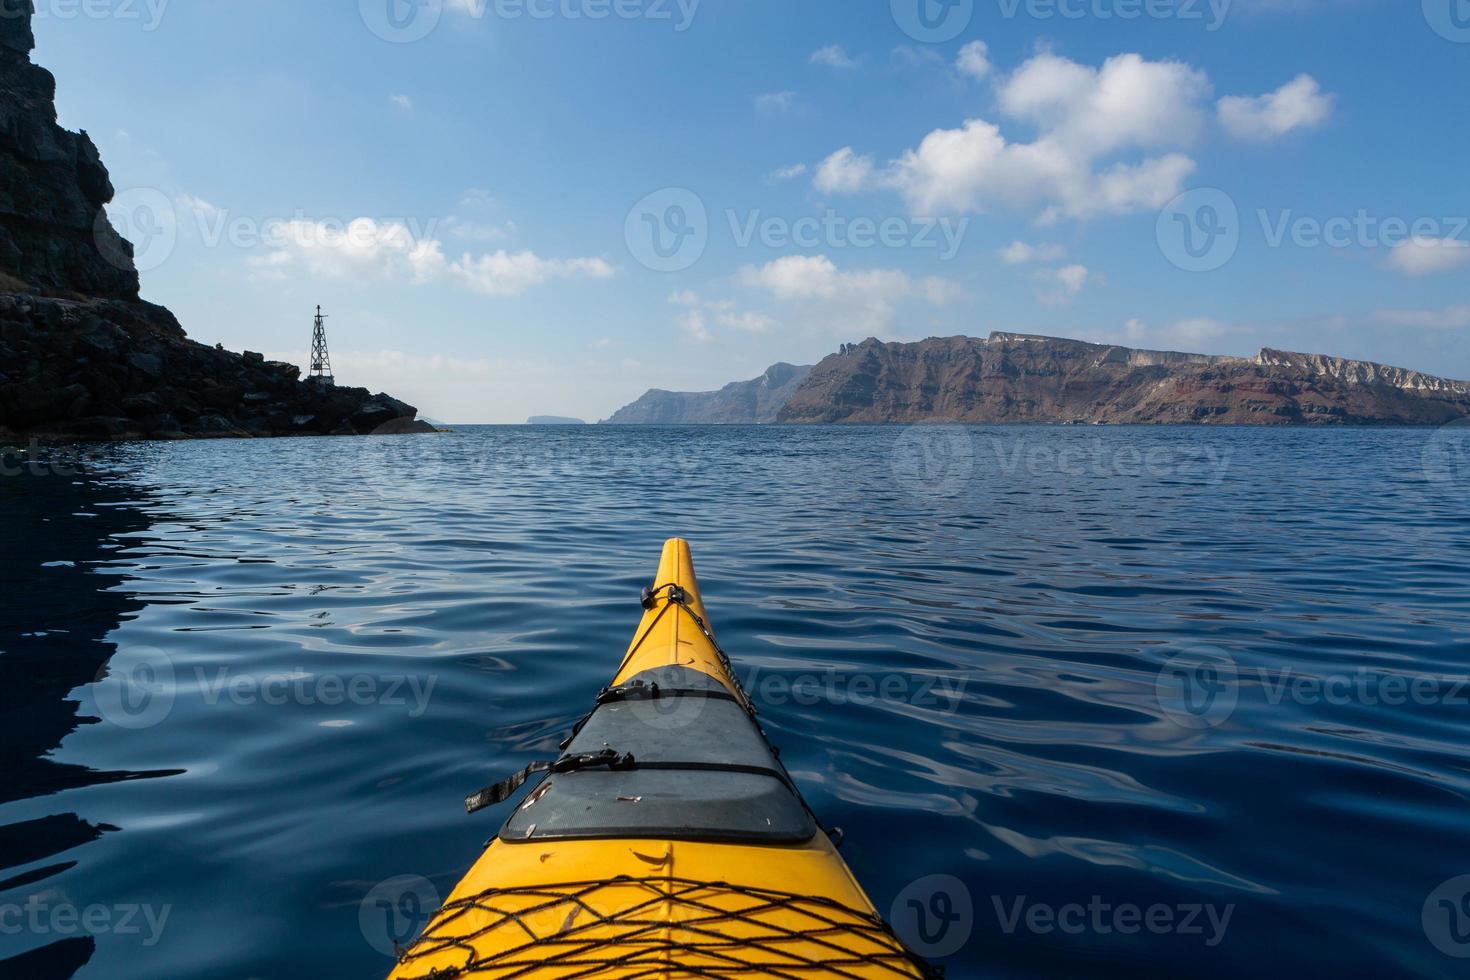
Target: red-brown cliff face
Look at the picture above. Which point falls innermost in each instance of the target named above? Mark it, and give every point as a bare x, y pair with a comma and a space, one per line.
1018, 378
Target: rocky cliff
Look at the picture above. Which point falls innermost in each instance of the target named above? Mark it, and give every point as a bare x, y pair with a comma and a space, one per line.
52, 183
758, 401
1020, 378
80, 355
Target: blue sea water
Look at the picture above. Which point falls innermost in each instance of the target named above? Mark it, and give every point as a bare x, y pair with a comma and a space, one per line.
1152, 702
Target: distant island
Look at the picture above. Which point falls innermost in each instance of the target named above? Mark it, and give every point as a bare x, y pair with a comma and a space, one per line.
1021, 378
81, 355
553, 420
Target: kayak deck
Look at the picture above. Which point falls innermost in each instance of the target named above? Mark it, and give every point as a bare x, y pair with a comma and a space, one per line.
693, 881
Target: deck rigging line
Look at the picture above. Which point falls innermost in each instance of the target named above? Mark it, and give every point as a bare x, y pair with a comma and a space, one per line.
717, 929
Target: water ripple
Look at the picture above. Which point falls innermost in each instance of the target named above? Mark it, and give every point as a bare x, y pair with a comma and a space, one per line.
1056, 686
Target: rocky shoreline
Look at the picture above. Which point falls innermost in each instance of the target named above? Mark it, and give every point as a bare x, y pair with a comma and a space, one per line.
81, 355
107, 369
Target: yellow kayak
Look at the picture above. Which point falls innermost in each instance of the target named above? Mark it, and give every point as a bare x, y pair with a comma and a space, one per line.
667, 841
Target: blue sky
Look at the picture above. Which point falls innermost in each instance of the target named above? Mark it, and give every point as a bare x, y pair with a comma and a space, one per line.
475, 207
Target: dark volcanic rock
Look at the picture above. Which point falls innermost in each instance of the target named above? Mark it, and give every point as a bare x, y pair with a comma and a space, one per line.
109, 369
741, 403
404, 427
81, 356
15, 26
1020, 378
54, 235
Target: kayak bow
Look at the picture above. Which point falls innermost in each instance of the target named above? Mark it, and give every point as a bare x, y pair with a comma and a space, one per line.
667, 841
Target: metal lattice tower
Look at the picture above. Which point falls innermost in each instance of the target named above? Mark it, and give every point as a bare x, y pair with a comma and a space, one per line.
321, 361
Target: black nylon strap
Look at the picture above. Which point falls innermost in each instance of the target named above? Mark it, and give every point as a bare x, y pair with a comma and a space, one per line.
639, 691
775, 774
501, 791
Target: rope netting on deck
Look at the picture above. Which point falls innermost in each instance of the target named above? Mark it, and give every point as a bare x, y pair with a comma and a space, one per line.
659, 927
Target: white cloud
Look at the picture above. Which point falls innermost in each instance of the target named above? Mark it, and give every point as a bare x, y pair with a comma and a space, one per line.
952, 169
789, 173
402, 102
694, 323
1427, 256
1127, 188
865, 298
835, 56
330, 249
365, 248
1084, 116
844, 172
1061, 286
817, 277
695, 319
1298, 104
799, 277
1128, 102
504, 273
199, 206
776, 101
1072, 278
1020, 253
974, 60
749, 321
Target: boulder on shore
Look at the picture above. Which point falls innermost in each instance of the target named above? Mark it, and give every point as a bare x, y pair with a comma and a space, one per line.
404, 427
